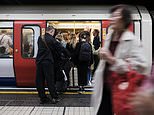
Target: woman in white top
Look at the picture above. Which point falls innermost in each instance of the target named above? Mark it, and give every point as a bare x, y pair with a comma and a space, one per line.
121, 48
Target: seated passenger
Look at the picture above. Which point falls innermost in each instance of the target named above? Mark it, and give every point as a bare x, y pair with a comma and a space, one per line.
6, 41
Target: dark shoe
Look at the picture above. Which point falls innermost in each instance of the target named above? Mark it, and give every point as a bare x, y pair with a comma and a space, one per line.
45, 100
80, 88
58, 99
83, 88
55, 100
59, 93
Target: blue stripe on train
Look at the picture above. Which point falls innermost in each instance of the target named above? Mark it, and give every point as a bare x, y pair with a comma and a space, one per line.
7, 81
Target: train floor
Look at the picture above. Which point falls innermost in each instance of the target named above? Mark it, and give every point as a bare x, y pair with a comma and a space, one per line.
28, 103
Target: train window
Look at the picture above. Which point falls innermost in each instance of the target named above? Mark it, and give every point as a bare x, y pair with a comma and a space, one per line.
27, 42
6, 42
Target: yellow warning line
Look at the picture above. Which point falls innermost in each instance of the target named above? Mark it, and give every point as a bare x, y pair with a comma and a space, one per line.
34, 92
12, 92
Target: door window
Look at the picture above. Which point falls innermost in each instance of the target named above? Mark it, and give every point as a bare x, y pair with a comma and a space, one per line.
29, 38
6, 41
27, 43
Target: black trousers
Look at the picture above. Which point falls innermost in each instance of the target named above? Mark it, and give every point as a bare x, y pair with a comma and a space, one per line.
82, 74
96, 61
106, 103
45, 71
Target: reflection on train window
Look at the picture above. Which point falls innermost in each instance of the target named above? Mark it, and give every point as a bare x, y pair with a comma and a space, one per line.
6, 42
27, 43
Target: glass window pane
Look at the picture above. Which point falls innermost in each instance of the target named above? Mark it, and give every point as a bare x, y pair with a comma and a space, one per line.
27, 43
6, 42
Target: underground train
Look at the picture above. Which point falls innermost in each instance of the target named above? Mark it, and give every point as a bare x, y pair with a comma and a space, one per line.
24, 24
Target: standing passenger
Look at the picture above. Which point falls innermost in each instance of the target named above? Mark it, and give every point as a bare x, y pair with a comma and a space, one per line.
6, 42
96, 45
45, 66
84, 58
121, 50
71, 46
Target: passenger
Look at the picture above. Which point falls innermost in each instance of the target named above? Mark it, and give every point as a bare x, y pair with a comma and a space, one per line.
60, 39
48, 49
31, 50
96, 45
70, 46
84, 59
62, 65
6, 41
121, 50
26, 49
77, 36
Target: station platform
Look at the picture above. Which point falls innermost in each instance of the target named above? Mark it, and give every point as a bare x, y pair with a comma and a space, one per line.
26, 102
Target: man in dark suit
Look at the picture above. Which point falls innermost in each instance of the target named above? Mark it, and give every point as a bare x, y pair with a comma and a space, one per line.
49, 51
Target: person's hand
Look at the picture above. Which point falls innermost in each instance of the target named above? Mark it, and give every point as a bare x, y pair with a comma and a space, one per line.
106, 55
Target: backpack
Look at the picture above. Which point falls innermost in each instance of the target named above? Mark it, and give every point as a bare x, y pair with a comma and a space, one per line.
85, 52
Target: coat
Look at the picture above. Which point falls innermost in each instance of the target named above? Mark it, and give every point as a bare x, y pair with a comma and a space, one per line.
129, 50
148, 85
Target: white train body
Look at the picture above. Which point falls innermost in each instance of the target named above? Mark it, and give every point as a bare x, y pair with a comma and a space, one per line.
26, 23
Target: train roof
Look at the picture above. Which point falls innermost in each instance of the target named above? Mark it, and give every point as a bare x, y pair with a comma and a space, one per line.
61, 12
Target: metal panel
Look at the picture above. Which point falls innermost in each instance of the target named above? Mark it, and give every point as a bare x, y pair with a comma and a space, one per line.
4, 24
6, 68
137, 29
146, 30
59, 12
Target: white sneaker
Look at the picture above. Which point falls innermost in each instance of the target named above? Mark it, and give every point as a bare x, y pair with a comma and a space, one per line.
89, 84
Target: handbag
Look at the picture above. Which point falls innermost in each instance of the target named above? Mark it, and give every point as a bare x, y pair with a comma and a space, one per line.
122, 86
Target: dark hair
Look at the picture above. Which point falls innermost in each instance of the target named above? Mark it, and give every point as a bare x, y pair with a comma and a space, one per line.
125, 13
96, 30
84, 34
49, 28
3, 31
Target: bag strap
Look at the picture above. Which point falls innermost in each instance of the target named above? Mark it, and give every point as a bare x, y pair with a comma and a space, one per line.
43, 39
2, 39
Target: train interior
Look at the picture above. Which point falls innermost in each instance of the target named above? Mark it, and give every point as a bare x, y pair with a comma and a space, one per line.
28, 46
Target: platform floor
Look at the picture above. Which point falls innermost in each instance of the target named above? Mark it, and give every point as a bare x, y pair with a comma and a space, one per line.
29, 104
41, 110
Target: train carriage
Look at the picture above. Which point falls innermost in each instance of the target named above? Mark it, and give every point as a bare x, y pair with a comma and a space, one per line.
25, 23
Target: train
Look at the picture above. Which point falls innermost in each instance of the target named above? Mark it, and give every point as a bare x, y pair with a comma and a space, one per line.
26, 23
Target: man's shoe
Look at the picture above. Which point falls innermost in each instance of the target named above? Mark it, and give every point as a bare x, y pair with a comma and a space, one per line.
54, 100
45, 100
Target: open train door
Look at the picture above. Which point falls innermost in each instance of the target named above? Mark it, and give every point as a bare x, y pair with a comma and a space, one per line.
26, 34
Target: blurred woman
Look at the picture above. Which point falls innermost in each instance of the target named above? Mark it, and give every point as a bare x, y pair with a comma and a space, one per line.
121, 50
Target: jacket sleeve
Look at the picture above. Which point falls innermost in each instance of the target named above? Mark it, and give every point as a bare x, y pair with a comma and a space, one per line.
134, 59
76, 53
92, 58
